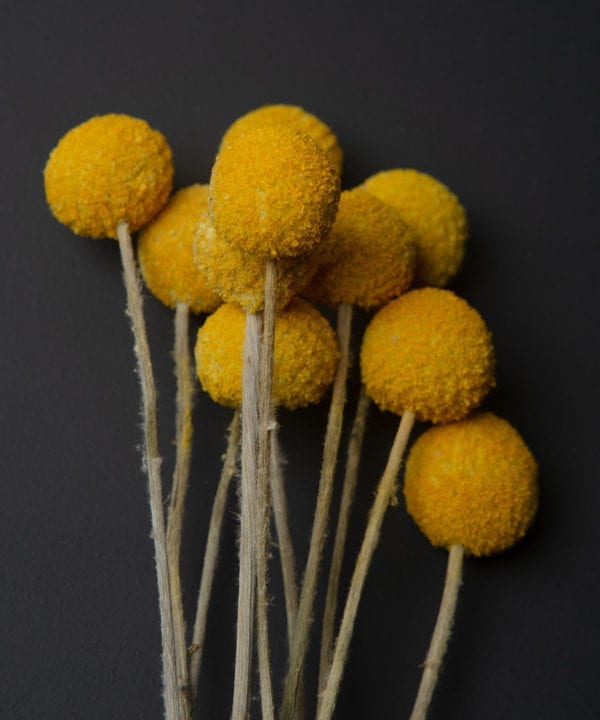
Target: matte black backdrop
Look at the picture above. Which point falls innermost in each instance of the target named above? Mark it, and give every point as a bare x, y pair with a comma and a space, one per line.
498, 100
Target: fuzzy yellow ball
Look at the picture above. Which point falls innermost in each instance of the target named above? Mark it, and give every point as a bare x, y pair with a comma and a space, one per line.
166, 252
304, 362
472, 483
273, 192
109, 170
371, 254
429, 352
297, 118
434, 213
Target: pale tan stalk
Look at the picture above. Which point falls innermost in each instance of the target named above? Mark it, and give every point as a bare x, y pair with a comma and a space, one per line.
385, 493
292, 700
266, 427
174, 706
441, 633
348, 490
284, 537
211, 552
249, 501
183, 435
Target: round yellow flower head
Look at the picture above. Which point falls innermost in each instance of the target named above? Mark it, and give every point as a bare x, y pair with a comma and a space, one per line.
273, 192
304, 361
372, 256
239, 277
434, 213
472, 483
295, 117
166, 252
108, 170
429, 352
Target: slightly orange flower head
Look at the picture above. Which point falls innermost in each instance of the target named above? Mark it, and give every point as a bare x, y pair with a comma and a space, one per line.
273, 192
371, 254
166, 252
296, 118
472, 483
239, 277
429, 352
108, 170
304, 361
434, 213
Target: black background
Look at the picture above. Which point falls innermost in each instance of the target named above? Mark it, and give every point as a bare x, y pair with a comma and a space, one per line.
499, 101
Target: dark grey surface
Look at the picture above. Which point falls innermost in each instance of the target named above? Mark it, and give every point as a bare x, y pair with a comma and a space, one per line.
497, 100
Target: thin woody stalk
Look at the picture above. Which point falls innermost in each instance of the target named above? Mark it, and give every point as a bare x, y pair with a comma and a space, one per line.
211, 552
292, 700
348, 490
174, 706
185, 395
385, 491
265, 430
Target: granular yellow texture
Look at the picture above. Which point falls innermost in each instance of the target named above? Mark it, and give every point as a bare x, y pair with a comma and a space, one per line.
434, 213
297, 118
166, 252
372, 257
273, 192
304, 360
472, 483
239, 277
108, 170
429, 352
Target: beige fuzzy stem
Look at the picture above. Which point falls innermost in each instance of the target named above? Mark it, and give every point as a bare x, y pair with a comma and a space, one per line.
249, 501
383, 497
348, 489
441, 634
174, 706
284, 537
185, 398
265, 430
211, 552
292, 700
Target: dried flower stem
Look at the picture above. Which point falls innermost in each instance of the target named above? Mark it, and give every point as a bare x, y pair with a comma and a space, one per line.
249, 501
211, 552
292, 701
265, 430
174, 706
441, 633
185, 397
349, 487
385, 492
284, 538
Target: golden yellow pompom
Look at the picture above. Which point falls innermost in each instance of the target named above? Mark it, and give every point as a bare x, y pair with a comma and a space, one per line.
372, 255
108, 170
429, 352
295, 117
472, 483
166, 252
239, 277
434, 213
273, 192
304, 361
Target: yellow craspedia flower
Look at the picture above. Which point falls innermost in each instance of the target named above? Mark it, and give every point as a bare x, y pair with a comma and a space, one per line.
371, 254
273, 192
472, 483
429, 352
435, 214
166, 252
239, 277
295, 117
304, 361
108, 170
